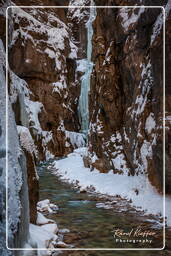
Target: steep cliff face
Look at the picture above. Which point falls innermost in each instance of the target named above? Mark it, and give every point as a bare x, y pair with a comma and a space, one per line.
43, 92
20, 175
126, 99
42, 52
47, 52
18, 203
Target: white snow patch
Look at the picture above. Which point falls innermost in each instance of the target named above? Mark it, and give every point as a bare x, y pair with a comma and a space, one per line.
77, 12
150, 123
127, 19
77, 139
46, 206
146, 153
41, 219
51, 228
26, 139
40, 237
82, 65
157, 27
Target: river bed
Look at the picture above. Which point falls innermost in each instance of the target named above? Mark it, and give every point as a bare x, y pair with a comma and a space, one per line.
92, 227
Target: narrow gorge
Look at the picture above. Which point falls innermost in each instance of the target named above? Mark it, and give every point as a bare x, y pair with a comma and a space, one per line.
85, 127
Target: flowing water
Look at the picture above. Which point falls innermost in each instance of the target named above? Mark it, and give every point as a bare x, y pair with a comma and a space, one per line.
92, 227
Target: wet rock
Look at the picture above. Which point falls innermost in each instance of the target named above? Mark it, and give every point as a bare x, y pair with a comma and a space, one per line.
82, 190
86, 161
71, 238
27, 146
127, 59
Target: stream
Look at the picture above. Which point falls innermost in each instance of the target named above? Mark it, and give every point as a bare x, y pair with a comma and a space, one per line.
92, 227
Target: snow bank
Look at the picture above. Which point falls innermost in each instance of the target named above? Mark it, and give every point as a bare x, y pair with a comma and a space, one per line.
40, 237
72, 169
41, 219
45, 234
46, 206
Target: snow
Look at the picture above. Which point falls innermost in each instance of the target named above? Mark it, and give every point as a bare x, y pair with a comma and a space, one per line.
53, 33
46, 206
145, 85
129, 16
41, 237
61, 244
51, 228
119, 162
157, 27
45, 234
146, 152
104, 206
74, 50
41, 219
29, 113
76, 139
26, 141
60, 85
64, 230
35, 107
72, 169
150, 123
82, 65
78, 13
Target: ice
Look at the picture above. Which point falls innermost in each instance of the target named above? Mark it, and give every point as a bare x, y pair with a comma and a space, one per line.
18, 208
64, 230
85, 82
77, 139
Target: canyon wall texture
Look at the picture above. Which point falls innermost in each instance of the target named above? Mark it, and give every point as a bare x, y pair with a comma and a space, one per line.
44, 88
126, 96
42, 52
125, 100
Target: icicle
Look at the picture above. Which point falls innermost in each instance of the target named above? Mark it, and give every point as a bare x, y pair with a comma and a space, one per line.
85, 83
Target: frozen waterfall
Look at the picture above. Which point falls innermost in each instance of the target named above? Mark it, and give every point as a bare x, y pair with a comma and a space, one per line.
85, 82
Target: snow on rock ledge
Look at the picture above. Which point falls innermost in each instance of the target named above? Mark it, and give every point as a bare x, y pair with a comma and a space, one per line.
46, 206
26, 140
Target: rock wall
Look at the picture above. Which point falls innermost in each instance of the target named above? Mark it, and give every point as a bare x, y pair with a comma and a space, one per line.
43, 54
44, 89
126, 99
20, 172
